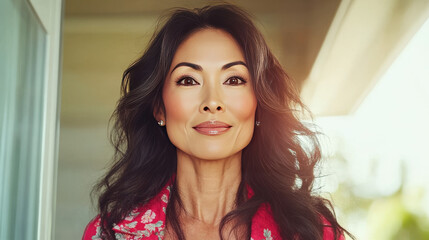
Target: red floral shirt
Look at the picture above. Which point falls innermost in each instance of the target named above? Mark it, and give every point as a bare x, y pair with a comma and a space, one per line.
148, 222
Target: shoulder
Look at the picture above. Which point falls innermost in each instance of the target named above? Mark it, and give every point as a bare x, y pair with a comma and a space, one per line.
265, 227
328, 231
92, 230
147, 219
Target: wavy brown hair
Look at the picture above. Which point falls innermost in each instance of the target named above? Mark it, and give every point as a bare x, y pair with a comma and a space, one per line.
276, 164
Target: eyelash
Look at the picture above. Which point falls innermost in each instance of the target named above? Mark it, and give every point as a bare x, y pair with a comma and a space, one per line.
184, 78
181, 79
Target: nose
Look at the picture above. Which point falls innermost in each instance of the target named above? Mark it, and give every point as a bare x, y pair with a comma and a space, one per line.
212, 102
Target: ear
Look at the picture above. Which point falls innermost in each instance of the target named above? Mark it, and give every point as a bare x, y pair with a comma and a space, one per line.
158, 114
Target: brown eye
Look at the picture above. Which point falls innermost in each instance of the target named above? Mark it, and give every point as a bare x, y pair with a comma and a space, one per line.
234, 81
187, 81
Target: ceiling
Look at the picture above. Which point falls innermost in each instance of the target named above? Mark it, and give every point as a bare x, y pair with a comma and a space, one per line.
294, 29
335, 50
103, 7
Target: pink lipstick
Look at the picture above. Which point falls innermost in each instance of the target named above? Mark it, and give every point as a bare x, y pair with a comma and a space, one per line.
212, 128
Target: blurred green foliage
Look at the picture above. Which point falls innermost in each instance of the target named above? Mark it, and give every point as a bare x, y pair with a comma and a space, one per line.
387, 218
399, 216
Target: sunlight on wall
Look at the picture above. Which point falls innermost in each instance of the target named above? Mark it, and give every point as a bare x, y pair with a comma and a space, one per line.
377, 158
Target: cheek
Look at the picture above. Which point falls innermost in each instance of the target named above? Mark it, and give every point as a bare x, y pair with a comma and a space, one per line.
178, 107
177, 112
243, 106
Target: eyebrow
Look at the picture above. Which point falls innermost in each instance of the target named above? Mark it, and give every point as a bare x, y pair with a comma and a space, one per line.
199, 68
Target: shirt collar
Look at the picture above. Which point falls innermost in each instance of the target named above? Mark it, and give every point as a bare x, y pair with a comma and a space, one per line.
148, 221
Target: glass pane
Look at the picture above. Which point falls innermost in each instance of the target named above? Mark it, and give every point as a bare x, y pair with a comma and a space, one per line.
22, 66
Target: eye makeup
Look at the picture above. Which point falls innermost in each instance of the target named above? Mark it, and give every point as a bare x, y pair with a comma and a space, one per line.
187, 80
239, 80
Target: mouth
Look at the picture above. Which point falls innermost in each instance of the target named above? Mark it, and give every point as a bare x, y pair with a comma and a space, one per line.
212, 128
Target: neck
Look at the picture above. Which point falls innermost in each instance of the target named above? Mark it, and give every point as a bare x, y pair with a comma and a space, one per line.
207, 188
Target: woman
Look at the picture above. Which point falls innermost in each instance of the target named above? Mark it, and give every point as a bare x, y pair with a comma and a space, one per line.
208, 142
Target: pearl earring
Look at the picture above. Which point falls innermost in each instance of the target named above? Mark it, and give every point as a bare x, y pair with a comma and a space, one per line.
161, 123
258, 123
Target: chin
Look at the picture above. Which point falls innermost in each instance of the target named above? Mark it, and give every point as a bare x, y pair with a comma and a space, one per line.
212, 156
211, 150
214, 152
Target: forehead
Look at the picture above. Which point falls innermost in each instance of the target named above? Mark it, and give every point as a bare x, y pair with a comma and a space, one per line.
207, 46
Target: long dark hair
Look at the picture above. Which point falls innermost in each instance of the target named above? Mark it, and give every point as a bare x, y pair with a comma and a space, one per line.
276, 164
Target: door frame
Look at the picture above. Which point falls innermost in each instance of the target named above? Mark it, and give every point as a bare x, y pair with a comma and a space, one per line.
50, 14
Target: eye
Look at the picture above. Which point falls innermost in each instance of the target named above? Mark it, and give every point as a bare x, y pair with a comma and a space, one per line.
235, 81
187, 81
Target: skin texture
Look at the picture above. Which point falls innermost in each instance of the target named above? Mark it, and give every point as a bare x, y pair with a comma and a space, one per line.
208, 166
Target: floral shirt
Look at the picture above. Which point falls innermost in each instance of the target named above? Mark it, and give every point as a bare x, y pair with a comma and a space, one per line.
148, 222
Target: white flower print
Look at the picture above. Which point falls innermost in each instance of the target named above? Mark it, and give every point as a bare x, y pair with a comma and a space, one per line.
118, 227
146, 233
132, 215
148, 216
120, 236
164, 198
160, 235
267, 234
132, 224
150, 227
97, 234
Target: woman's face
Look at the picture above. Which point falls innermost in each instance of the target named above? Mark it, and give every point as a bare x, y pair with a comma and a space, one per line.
208, 96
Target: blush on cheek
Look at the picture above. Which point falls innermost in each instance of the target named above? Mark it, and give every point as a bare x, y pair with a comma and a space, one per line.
176, 115
243, 107
177, 106
173, 112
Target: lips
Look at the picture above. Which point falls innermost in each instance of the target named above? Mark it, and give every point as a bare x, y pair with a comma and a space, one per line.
212, 128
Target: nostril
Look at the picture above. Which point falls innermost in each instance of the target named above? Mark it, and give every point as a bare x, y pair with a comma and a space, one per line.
206, 108
218, 108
